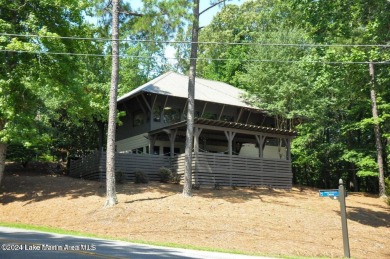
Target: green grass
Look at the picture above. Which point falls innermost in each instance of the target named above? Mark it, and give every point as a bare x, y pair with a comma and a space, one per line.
171, 245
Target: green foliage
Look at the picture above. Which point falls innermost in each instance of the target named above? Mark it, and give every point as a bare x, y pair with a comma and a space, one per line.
166, 175
20, 153
41, 93
387, 184
141, 177
366, 164
305, 86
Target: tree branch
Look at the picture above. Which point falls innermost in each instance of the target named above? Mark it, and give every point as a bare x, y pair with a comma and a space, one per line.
125, 12
131, 13
208, 8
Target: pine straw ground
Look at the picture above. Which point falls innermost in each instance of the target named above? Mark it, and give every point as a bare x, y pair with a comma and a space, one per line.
271, 222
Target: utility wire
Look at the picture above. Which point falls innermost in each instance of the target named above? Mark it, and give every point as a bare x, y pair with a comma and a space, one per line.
205, 43
204, 59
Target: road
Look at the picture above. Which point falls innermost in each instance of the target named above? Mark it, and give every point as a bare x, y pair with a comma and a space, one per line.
18, 243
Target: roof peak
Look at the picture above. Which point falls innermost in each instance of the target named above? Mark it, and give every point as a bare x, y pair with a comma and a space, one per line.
174, 84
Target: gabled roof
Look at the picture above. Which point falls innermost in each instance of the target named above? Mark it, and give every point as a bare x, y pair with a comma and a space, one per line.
174, 84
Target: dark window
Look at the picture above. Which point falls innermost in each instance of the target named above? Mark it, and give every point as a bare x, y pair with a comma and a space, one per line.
167, 151
171, 114
209, 115
227, 118
157, 114
138, 118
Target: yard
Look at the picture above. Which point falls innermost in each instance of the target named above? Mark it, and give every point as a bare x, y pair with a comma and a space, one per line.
257, 220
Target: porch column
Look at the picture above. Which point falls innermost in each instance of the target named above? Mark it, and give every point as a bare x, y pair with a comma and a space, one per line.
260, 142
152, 142
288, 148
172, 137
197, 132
230, 136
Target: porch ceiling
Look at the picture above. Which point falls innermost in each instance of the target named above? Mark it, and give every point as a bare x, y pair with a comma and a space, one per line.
227, 125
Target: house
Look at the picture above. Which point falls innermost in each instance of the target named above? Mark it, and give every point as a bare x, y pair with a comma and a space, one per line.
227, 129
235, 143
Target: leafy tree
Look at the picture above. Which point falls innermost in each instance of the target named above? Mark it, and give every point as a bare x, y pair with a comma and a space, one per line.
319, 84
32, 80
361, 22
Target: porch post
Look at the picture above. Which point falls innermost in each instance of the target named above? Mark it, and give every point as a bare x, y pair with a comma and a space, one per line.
197, 132
288, 148
260, 141
172, 137
230, 136
152, 142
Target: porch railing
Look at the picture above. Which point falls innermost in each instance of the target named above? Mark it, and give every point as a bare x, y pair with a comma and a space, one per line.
207, 168
225, 170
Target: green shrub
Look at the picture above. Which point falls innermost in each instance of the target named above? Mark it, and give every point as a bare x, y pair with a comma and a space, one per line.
175, 178
141, 177
166, 175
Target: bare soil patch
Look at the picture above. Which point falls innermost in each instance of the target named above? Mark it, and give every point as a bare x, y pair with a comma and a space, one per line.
273, 222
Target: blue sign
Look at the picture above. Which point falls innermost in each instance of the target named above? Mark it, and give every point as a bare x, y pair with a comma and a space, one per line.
329, 193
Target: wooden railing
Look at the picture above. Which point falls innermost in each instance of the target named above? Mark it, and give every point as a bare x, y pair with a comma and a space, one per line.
225, 170
93, 166
87, 166
207, 168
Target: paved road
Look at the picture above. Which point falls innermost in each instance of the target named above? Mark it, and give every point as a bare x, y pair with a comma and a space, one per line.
18, 243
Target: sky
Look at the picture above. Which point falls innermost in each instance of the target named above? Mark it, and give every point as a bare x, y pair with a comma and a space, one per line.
205, 18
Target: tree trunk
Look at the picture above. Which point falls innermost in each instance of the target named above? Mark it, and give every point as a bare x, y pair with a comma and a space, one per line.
187, 188
378, 142
3, 152
110, 165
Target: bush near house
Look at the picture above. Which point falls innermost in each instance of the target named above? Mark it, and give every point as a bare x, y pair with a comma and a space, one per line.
141, 177
166, 175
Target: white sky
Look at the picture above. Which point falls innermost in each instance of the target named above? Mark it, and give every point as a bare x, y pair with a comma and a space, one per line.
205, 18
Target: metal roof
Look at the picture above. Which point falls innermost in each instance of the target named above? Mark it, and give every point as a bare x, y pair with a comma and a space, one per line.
174, 84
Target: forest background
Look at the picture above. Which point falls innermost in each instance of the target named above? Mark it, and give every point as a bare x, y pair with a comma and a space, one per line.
306, 62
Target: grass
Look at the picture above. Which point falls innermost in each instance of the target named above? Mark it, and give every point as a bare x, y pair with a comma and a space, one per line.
162, 244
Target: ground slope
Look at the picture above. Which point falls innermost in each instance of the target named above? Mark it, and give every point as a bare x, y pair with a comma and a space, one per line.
274, 222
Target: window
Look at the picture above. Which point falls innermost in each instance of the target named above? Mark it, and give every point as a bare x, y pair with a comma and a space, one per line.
157, 113
209, 115
138, 118
227, 118
156, 150
171, 114
167, 151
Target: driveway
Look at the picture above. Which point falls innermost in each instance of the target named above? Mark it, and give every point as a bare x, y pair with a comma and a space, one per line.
19, 243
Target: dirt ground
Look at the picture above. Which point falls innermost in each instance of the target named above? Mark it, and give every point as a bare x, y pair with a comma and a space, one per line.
264, 221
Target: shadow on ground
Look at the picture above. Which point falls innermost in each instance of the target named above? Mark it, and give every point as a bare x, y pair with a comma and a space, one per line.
37, 184
369, 217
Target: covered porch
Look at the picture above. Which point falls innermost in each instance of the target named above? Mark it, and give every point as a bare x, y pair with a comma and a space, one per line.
232, 154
